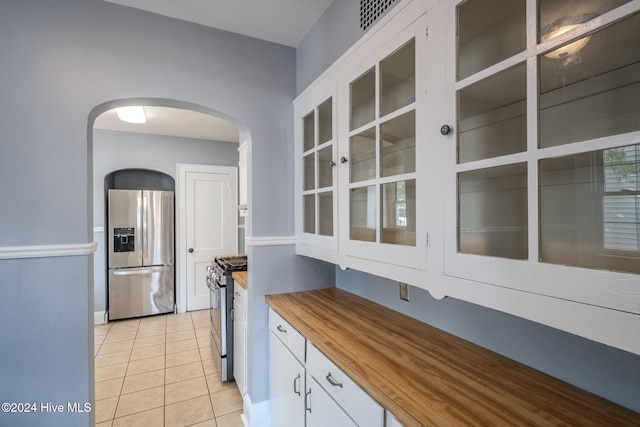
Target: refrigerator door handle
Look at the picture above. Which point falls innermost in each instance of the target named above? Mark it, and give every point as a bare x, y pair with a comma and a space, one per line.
135, 271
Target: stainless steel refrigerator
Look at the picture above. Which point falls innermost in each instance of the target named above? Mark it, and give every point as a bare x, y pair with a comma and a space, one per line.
141, 253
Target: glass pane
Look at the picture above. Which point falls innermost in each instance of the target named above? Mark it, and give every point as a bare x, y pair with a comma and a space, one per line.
398, 79
591, 88
399, 212
493, 116
559, 16
398, 145
489, 31
309, 172
309, 213
590, 209
363, 96
362, 149
325, 210
308, 132
363, 213
325, 167
492, 216
325, 121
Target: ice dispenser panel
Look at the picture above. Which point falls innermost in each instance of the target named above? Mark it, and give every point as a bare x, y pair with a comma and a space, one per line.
124, 239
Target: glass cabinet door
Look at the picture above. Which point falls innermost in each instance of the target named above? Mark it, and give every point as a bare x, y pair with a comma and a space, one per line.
318, 168
546, 130
382, 150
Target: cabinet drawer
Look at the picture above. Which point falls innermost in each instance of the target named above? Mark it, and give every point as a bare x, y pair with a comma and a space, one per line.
288, 335
240, 296
355, 401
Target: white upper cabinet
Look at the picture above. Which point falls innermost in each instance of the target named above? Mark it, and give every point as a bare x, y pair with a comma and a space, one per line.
487, 150
381, 191
316, 155
543, 168
362, 186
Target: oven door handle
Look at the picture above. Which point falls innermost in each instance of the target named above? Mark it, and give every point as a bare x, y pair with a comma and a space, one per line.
210, 286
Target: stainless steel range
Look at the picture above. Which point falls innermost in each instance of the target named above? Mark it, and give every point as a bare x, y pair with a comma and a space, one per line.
220, 283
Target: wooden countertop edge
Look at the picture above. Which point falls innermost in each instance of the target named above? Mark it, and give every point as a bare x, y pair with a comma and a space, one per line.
241, 278
325, 330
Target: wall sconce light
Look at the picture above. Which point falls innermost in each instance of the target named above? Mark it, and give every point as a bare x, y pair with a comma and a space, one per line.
560, 27
132, 114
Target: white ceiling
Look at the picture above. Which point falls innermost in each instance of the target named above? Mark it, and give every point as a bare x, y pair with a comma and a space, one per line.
284, 22
279, 21
173, 122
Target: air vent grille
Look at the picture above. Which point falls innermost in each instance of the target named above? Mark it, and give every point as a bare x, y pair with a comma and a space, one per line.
371, 10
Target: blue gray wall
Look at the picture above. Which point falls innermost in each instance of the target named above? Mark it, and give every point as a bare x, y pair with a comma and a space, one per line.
603, 370
61, 59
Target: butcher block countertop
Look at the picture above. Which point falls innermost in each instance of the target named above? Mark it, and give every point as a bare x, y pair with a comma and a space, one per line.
427, 377
241, 278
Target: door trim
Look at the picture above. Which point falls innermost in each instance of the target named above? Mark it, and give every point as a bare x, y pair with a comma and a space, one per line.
181, 226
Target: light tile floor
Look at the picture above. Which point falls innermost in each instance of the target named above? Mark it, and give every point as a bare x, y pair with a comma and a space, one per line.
160, 371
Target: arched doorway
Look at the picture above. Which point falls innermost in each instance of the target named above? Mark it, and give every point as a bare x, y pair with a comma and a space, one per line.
175, 132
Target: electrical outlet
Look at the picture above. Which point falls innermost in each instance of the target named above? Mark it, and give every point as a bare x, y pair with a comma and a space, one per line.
404, 291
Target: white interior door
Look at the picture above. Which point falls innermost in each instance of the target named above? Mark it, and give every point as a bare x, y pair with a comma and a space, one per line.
208, 224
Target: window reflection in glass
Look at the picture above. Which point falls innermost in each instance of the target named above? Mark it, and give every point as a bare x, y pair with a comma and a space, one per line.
399, 212
363, 213
590, 209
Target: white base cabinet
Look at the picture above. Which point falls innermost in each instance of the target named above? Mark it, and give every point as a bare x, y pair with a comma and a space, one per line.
240, 337
322, 410
286, 386
307, 388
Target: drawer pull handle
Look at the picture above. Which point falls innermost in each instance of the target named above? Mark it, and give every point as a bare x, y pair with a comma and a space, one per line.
281, 329
333, 381
307, 401
295, 389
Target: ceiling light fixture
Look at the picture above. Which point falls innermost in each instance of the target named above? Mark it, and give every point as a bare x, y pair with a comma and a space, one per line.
560, 27
132, 114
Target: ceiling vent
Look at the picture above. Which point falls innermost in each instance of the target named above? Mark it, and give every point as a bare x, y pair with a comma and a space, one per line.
371, 10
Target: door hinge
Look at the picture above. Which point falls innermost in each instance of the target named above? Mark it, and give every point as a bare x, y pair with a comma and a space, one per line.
426, 33
233, 314
427, 240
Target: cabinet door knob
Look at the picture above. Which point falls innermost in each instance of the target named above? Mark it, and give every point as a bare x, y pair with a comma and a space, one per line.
331, 163
343, 160
190, 250
446, 130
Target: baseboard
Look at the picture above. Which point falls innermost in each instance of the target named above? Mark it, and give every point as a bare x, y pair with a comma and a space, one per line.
99, 317
255, 415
